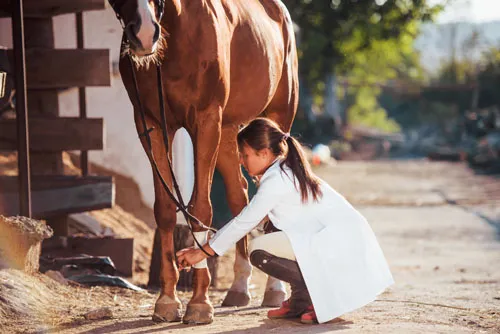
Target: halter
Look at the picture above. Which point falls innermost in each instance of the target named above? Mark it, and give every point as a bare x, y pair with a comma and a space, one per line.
117, 5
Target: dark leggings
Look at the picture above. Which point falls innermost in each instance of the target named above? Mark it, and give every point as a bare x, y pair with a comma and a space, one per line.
285, 270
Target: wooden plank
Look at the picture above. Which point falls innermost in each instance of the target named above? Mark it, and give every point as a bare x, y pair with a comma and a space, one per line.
47, 8
44, 182
59, 225
120, 250
62, 68
57, 195
56, 134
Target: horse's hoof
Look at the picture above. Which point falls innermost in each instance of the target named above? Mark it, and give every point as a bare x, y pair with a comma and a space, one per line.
236, 298
273, 298
167, 312
198, 314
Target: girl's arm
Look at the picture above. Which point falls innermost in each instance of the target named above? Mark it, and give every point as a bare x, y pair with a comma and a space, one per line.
270, 191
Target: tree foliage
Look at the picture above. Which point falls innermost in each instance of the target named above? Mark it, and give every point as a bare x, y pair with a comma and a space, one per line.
336, 35
363, 41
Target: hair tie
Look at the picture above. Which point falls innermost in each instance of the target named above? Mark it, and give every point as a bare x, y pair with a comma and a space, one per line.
286, 136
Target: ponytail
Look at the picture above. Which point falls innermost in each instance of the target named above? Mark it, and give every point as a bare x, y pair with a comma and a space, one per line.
309, 183
264, 133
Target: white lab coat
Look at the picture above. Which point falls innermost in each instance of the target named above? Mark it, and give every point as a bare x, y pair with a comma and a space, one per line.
337, 251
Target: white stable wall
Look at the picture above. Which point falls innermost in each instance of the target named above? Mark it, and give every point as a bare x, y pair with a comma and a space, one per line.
123, 152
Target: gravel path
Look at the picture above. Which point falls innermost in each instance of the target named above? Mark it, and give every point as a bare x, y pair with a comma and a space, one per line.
439, 226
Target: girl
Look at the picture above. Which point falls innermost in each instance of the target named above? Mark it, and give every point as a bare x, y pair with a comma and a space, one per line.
325, 248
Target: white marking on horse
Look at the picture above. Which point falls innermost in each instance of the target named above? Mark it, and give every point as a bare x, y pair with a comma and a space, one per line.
147, 30
183, 163
202, 239
274, 284
242, 274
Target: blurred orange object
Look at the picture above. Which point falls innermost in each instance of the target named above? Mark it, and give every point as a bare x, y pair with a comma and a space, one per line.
320, 154
316, 160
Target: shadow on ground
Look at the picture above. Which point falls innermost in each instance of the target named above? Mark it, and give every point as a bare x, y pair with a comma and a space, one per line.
146, 325
493, 222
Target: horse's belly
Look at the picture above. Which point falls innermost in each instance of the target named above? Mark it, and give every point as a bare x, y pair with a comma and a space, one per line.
256, 67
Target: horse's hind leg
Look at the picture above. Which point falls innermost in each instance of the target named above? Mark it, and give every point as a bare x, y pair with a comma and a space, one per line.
283, 106
236, 193
282, 110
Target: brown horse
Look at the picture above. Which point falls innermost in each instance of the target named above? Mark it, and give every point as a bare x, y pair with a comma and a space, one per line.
223, 63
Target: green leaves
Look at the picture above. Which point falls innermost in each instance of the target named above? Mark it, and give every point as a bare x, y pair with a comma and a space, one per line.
364, 41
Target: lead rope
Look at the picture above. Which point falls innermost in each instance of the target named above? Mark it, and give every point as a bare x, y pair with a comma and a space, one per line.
190, 219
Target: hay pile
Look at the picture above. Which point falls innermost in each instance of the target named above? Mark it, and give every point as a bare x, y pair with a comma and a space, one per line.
37, 303
34, 230
20, 242
24, 296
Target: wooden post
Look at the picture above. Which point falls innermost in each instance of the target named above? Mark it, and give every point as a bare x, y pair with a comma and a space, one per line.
82, 95
39, 33
23, 157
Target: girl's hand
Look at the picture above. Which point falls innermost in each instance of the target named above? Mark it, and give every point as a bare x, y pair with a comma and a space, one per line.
188, 256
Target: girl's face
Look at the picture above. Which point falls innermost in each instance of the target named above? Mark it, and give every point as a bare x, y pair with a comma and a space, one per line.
256, 162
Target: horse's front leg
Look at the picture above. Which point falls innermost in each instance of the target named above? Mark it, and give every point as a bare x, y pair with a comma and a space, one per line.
207, 134
168, 307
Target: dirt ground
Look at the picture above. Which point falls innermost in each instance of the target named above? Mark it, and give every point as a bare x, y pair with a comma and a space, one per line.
439, 227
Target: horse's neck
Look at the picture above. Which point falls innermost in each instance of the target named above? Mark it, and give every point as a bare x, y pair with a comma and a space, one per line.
177, 11
173, 10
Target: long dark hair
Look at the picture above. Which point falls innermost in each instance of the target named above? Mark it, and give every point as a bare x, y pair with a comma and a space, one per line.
264, 133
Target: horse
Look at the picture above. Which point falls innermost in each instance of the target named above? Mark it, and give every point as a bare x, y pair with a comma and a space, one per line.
223, 63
